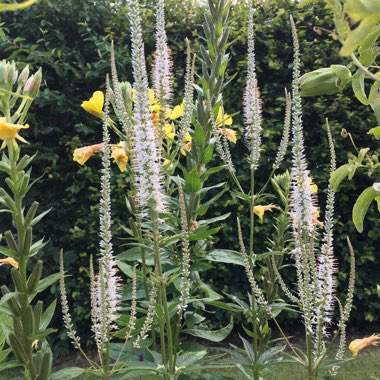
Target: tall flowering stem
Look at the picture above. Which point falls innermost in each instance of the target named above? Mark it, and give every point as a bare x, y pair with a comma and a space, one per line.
32, 353
147, 159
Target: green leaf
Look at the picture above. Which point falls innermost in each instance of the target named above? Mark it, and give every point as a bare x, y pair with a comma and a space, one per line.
375, 132
9, 252
203, 233
40, 335
374, 100
338, 176
219, 218
358, 87
207, 154
360, 9
67, 373
356, 36
212, 336
361, 207
47, 281
224, 256
192, 181
48, 315
199, 135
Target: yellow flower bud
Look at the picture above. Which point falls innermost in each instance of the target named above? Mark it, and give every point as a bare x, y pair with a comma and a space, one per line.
325, 81
81, 155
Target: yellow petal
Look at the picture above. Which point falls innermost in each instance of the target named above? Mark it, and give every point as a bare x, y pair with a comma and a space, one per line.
119, 155
227, 118
95, 104
9, 261
177, 112
230, 134
168, 130
9, 131
260, 210
358, 344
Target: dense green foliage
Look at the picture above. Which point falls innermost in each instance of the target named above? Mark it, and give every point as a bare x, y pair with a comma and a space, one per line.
70, 40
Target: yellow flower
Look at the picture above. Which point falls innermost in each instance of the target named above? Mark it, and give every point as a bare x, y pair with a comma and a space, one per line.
187, 146
223, 116
119, 155
260, 210
169, 131
81, 155
358, 344
230, 134
175, 113
313, 186
35, 344
9, 261
9, 131
95, 105
315, 214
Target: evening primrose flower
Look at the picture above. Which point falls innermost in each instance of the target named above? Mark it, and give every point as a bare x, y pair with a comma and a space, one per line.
119, 155
9, 261
95, 104
260, 210
9, 131
230, 134
168, 130
187, 146
313, 186
358, 344
81, 155
223, 118
175, 113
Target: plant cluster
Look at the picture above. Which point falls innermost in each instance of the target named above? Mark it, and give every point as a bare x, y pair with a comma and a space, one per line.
169, 151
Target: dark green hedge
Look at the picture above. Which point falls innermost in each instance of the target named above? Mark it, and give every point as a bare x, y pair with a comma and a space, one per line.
70, 40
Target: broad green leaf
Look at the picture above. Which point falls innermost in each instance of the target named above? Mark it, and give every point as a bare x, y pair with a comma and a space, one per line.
48, 315
338, 176
67, 373
16, 7
8, 252
360, 9
358, 87
224, 256
356, 36
375, 132
219, 218
203, 233
374, 100
207, 154
212, 336
361, 207
47, 281
192, 181
199, 135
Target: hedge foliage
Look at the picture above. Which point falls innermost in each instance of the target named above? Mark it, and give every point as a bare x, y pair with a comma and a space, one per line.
70, 40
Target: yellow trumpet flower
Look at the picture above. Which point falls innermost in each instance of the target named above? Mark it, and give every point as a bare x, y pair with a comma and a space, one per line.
358, 344
9, 261
230, 134
9, 131
95, 104
260, 210
81, 155
119, 155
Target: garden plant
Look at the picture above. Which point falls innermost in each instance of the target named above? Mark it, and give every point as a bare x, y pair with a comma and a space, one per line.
149, 293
